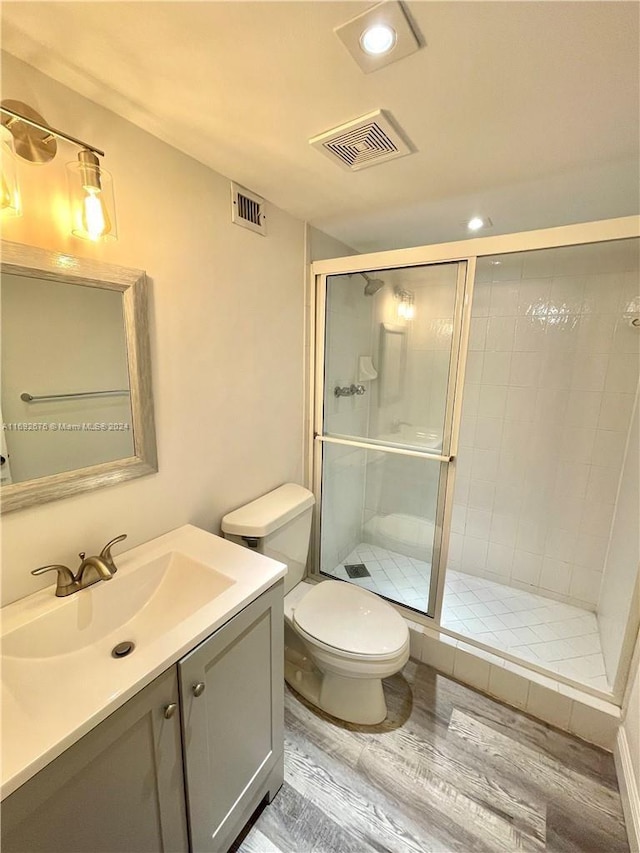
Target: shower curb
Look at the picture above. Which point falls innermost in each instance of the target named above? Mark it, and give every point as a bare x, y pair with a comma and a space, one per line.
567, 708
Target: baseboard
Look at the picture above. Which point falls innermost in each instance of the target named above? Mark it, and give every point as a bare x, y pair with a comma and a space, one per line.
629, 792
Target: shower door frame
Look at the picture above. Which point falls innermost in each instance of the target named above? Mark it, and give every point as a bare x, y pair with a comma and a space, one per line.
460, 252
461, 317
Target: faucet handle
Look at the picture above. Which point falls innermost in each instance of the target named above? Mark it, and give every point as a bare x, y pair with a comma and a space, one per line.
106, 551
66, 578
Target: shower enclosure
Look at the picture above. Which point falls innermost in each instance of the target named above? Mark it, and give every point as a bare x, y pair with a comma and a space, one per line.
474, 440
386, 450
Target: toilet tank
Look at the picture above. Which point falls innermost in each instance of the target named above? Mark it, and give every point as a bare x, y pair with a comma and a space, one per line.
277, 525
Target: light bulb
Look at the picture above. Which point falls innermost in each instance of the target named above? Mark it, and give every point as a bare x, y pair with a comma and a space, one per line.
378, 39
93, 215
95, 219
475, 224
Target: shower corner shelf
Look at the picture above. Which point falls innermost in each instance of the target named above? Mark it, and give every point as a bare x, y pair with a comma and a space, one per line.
366, 370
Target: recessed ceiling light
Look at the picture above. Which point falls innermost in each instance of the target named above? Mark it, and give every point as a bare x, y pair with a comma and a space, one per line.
379, 36
477, 223
378, 39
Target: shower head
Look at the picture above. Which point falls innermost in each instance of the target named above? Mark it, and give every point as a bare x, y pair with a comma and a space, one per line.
373, 285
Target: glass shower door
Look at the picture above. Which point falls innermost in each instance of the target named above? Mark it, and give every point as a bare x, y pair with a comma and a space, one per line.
390, 348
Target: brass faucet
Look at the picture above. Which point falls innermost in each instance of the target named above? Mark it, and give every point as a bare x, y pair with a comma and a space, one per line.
90, 571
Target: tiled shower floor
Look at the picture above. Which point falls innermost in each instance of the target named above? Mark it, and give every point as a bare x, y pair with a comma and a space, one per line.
555, 636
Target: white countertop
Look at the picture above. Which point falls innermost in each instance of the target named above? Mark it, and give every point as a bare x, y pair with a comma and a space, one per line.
51, 700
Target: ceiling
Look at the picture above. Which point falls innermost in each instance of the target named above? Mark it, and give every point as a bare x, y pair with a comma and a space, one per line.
526, 112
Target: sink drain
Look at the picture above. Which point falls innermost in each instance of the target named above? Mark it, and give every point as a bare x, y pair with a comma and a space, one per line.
122, 649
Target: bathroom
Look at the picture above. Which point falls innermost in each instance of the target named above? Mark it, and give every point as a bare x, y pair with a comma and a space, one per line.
232, 411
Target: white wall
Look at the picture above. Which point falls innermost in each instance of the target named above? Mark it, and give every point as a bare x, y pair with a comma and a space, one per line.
551, 378
226, 326
322, 246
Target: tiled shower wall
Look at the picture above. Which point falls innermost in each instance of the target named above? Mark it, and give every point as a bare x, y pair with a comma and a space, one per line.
551, 377
397, 484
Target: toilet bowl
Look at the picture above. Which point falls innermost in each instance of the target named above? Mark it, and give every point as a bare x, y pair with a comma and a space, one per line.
348, 640
340, 640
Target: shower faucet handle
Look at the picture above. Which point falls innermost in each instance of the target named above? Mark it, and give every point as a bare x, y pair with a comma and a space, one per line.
349, 390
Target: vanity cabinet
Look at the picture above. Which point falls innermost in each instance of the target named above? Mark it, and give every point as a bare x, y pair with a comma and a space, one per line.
119, 788
181, 766
232, 689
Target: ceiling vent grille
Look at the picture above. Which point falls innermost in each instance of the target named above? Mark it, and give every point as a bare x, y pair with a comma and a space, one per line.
363, 142
247, 209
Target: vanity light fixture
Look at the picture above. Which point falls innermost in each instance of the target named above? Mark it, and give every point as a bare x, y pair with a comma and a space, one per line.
379, 36
90, 186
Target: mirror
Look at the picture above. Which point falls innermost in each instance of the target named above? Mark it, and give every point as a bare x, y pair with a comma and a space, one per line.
76, 401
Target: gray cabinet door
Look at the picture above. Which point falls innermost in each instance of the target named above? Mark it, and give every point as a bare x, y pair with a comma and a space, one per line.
119, 789
232, 692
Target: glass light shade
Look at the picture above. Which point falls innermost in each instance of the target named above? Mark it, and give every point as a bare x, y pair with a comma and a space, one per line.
9, 189
93, 211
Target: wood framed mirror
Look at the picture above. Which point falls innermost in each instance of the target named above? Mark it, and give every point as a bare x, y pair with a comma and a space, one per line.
77, 402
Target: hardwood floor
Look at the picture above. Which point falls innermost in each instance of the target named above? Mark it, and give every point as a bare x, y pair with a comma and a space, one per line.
448, 770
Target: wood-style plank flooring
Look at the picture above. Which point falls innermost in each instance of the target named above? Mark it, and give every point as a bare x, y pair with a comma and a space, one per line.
448, 770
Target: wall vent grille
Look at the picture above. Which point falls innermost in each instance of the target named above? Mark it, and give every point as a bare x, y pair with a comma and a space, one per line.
247, 209
363, 142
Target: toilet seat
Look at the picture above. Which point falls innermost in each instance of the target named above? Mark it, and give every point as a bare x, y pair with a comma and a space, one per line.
351, 621
352, 657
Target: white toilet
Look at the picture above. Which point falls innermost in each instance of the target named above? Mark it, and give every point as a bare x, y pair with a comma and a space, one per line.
340, 640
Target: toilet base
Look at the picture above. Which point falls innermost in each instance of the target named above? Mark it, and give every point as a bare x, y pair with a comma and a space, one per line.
354, 700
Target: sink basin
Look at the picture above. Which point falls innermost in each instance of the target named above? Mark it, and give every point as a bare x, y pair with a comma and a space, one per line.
59, 678
153, 597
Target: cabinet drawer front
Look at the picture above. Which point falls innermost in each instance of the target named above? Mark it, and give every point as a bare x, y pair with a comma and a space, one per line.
232, 692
